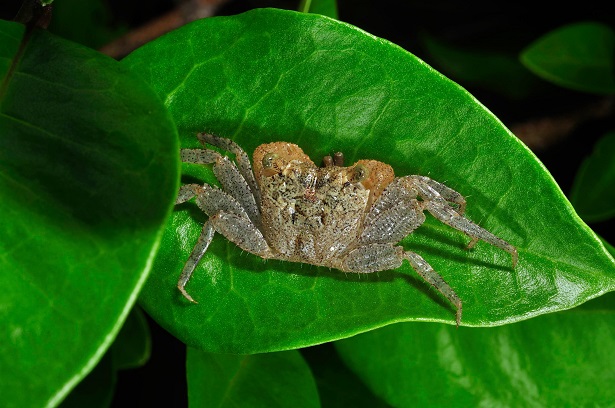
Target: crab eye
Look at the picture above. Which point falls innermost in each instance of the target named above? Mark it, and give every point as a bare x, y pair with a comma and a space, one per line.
268, 160
360, 173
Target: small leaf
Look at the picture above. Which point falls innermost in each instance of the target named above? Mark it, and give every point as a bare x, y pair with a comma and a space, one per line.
132, 346
280, 379
593, 191
323, 7
561, 359
272, 75
88, 173
578, 56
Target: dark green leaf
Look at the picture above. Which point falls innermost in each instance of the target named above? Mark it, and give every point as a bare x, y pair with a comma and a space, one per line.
272, 75
579, 56
88, 172
497, 71
337, 385
133, 344
86, 22
593, 191
323, 7
280, 379
561, 359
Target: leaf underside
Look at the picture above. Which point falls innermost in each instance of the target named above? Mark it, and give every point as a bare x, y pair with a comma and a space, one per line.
272, 75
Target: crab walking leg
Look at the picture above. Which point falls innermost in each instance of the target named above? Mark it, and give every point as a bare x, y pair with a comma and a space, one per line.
426, 271
394, 224
241, 158
450, 217
207, 233
229, 176
186, 192
378, 257
236, 229
447, 193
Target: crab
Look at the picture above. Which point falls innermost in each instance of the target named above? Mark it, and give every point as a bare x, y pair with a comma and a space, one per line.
346, 218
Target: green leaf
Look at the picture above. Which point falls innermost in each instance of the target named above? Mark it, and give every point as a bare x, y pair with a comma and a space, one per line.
132, 346
88, 173
593, 191
323, 7
337, 385
562, 359
273, 75
578, 56
280, 379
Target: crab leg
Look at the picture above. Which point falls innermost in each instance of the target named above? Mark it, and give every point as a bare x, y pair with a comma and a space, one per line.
450, 217
379, 256
426, 271
229, 176
241, 158
447, 193
207, 233
237, 229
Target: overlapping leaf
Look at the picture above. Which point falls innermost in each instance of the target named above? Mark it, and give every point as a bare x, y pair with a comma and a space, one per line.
88, 172
280, 379
272, 75
593, 192
579, 56
562, 359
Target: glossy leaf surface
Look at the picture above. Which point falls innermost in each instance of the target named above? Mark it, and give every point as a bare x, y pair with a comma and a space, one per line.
562, 359
593, 191
281, 379
272, 75
579, 56
88, 172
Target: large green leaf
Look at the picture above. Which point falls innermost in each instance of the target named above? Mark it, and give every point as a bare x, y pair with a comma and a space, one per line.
271, 75
88, 172
593, 191
281, 379
579, 56
562, 359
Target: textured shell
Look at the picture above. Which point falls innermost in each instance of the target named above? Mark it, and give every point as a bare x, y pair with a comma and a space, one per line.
313, 214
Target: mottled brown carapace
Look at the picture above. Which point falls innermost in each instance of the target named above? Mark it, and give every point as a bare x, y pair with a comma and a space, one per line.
345, 217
